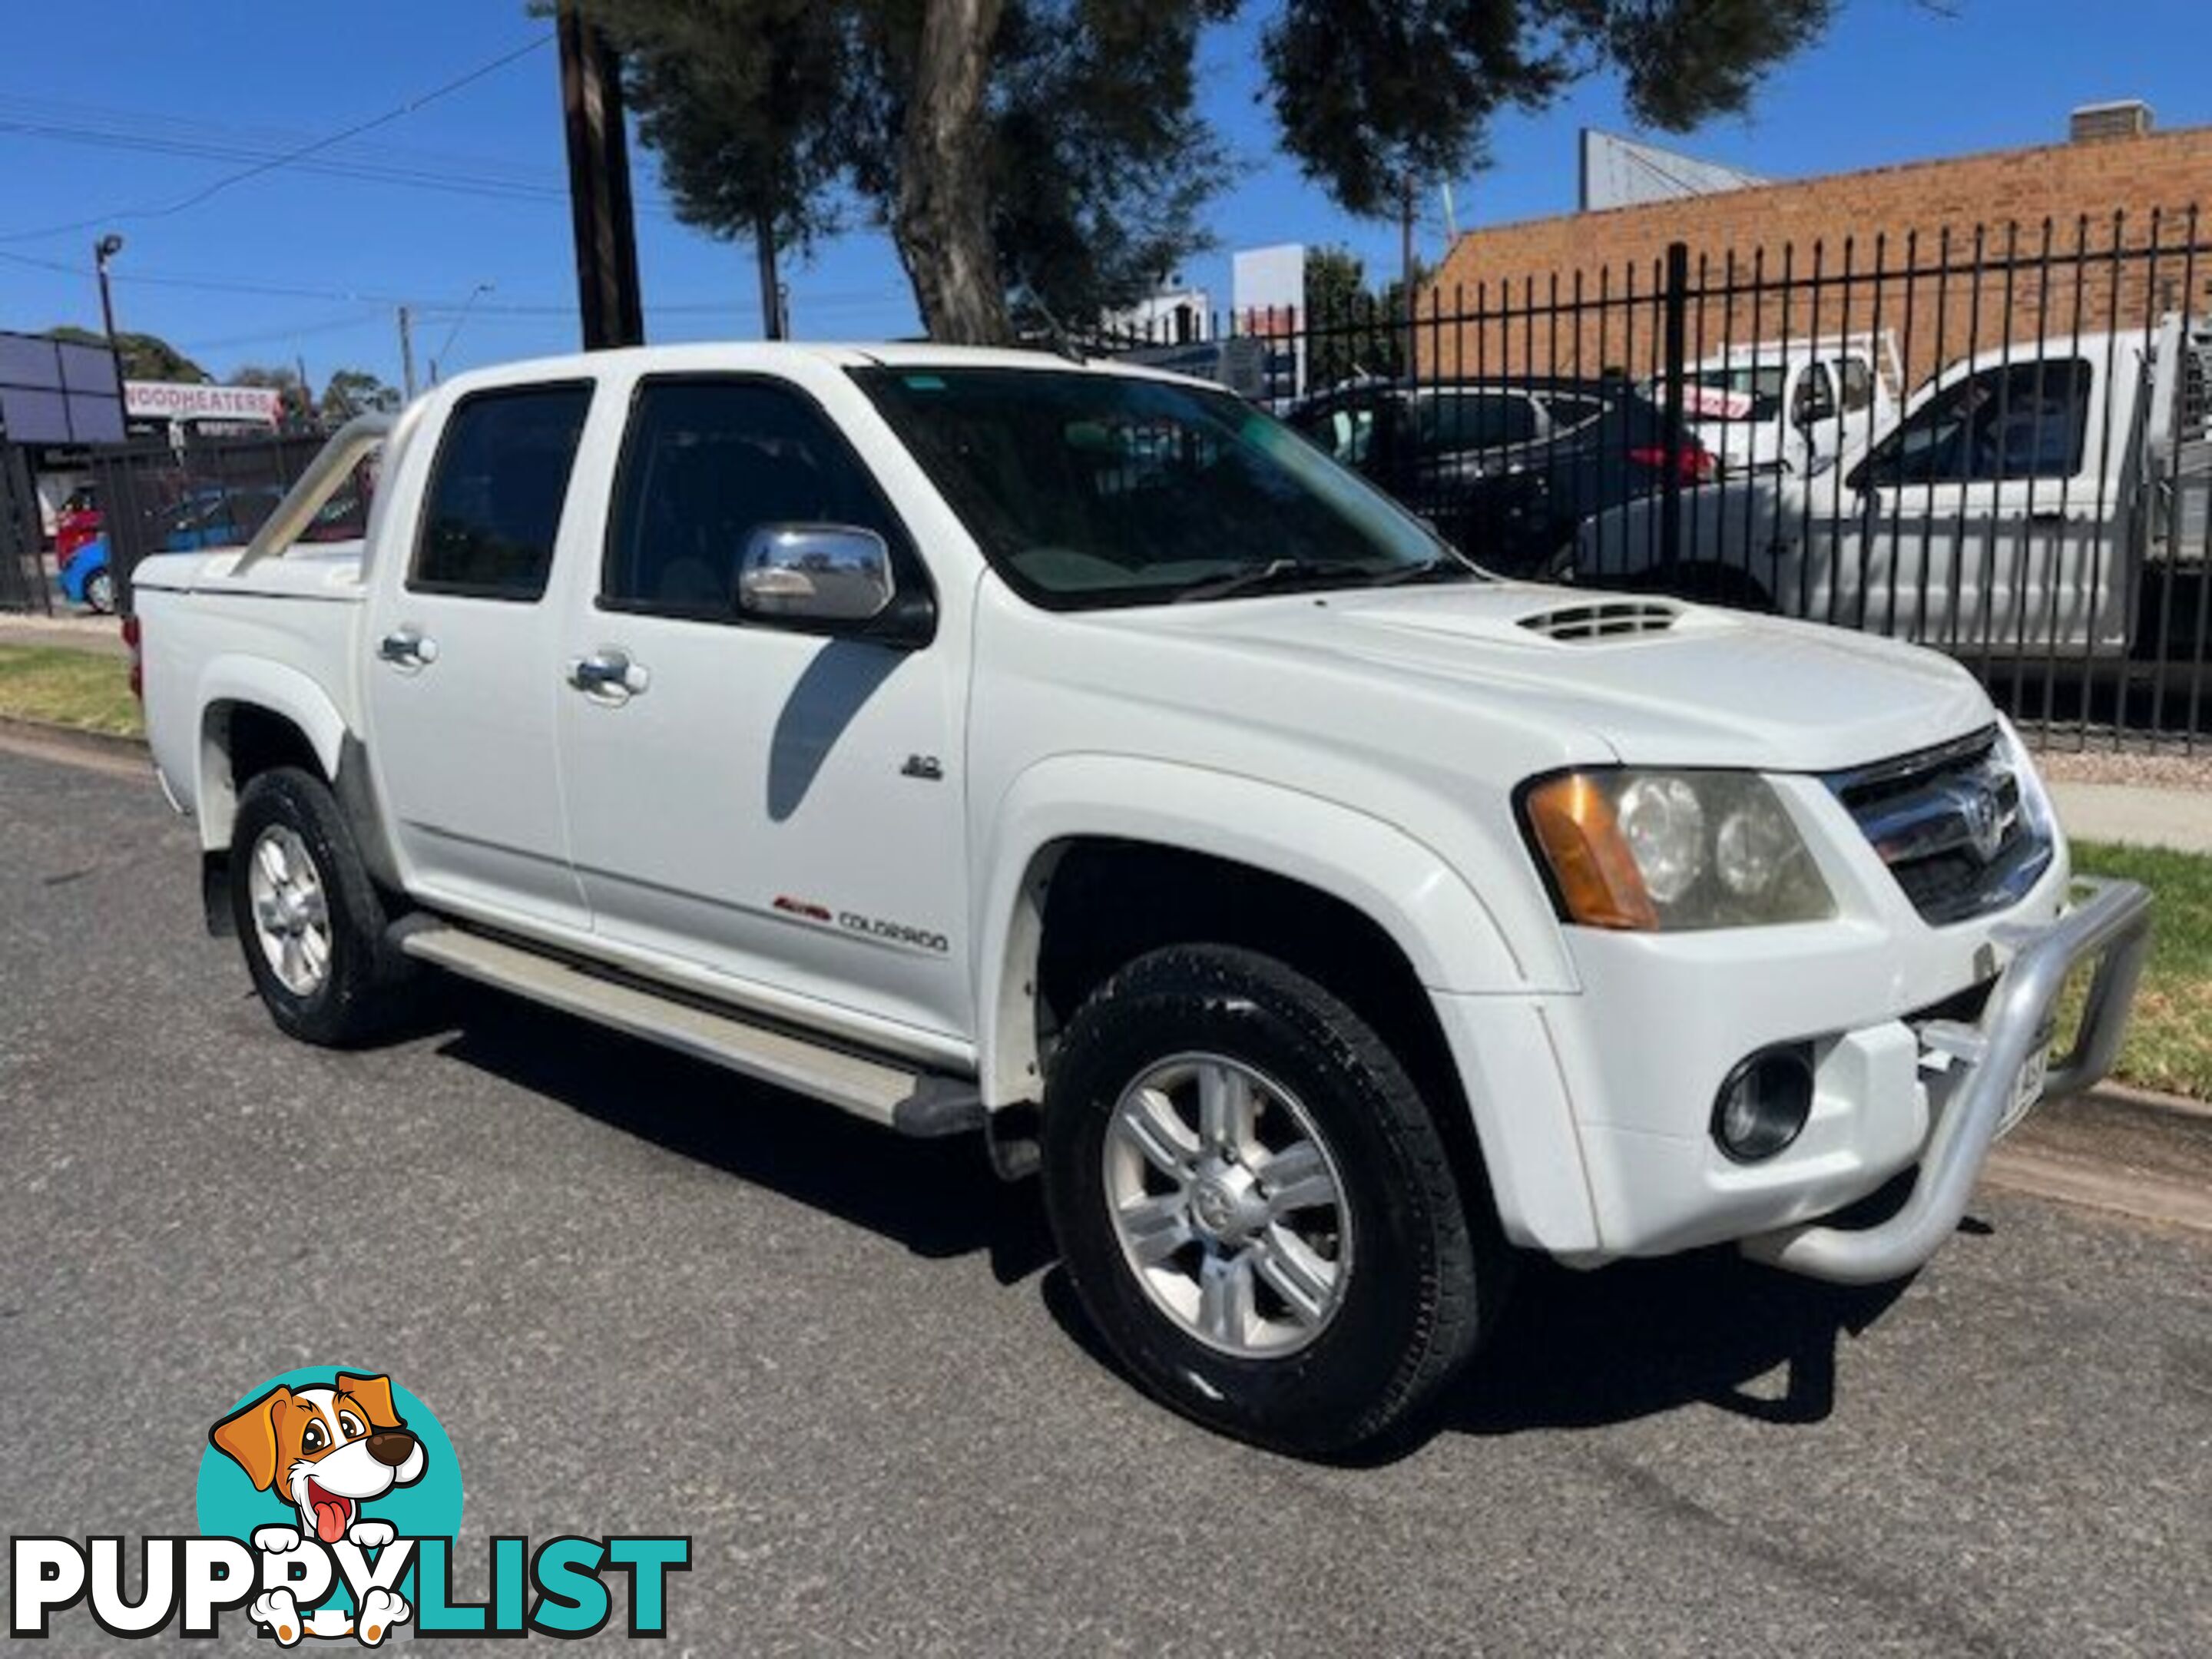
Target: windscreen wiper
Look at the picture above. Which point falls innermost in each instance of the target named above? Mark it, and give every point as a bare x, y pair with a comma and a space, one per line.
1443, 565
1273, 573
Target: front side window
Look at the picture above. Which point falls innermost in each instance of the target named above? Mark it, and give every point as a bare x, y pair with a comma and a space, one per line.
706, 463
497, 491
1346, 431
2022, 421
1087, 489
1816, 397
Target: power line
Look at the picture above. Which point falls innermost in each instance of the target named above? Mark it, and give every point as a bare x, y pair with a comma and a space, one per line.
357, 317
454, 176
186, 203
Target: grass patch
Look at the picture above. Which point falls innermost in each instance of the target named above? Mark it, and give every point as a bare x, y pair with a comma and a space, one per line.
2169, 1044
84, 689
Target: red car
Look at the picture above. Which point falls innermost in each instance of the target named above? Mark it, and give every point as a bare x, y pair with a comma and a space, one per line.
76, 523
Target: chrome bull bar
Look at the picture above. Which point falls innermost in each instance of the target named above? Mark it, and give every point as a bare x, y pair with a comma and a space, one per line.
2110, 921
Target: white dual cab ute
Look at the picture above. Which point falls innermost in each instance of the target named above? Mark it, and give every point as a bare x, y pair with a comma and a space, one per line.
2009, 513
982, 740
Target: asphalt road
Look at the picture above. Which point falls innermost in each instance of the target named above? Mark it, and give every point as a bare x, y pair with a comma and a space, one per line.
644, 1296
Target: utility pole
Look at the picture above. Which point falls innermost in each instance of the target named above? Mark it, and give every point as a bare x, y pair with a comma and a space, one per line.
307, 397
1405, 263
407, 353
612, 307
774, 325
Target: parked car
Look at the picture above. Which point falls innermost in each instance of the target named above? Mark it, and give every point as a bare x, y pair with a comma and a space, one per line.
218, 515
2011, 512
88, 578
77, 521
1505, 469
979, 742
1774, 405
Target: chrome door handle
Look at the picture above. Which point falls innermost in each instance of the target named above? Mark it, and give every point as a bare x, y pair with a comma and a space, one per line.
406, 647
609, 675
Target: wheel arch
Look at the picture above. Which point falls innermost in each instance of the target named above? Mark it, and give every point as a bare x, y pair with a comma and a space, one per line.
1352, 901
256, 714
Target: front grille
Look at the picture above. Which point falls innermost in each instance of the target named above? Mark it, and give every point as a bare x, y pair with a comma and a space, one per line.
1951, 825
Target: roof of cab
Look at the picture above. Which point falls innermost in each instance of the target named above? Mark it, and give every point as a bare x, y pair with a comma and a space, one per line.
769, 355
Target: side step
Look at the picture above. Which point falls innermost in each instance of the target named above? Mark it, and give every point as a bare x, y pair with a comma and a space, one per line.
899, 1098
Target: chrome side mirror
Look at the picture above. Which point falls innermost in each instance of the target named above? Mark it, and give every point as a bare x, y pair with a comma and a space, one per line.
818, 573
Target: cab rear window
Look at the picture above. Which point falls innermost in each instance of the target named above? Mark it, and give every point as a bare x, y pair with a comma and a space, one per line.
497, 491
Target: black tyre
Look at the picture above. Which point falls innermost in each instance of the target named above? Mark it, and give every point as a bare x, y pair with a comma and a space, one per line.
1256, 1207
311, 919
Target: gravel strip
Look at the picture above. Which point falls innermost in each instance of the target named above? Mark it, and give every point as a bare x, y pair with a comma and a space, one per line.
2144, 770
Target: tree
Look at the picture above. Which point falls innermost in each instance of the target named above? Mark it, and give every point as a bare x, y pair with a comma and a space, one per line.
298, 401
351, 391
1048, 154
1032, 159
142, 356
1348, 331
1375, 96
1352, 329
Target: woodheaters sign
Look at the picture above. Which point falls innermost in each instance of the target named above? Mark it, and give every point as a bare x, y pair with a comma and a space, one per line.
167, 400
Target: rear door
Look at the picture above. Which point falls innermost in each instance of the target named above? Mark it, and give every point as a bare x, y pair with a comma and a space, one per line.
461, 680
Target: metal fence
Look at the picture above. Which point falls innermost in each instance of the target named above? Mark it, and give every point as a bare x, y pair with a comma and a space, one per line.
23, 584
1991, 440
213, 492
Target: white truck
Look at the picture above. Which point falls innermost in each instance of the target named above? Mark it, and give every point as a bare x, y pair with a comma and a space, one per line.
982, 741
1789, 405
2011, 512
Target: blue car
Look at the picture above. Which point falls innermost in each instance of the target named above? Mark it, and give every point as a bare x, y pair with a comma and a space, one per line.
86, 577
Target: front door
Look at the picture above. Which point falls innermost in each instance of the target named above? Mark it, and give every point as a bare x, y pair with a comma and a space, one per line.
460, 682
1978, 526
780, 809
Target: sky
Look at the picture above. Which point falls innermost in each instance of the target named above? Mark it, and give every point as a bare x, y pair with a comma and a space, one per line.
119, 116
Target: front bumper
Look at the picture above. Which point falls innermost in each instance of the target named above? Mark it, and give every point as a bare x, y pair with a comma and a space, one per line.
2109, 923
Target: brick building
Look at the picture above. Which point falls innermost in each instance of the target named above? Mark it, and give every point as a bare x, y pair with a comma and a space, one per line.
1948, 255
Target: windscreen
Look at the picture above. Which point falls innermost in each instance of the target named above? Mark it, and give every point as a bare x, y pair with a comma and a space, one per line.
1087, 489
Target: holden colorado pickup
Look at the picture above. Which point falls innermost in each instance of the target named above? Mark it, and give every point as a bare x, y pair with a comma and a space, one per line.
982, 741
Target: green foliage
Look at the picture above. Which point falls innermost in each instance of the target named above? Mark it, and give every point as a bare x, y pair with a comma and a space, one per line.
1375, 96
352, 392
1095, 158
1358, 331
282, 376
1354, 330
1095, 162
143, 356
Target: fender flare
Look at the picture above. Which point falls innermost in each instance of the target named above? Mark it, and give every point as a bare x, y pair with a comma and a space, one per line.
279, 690
1446, 931
1449, 937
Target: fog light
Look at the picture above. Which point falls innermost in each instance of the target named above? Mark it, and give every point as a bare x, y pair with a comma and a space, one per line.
1763, 1104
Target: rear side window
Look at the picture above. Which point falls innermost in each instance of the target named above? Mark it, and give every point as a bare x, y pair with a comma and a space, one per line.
1858, 384
1571, 411
706, 463
1475, 420
496, 490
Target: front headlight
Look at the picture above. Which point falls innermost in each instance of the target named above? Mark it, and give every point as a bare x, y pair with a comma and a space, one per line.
1671, 851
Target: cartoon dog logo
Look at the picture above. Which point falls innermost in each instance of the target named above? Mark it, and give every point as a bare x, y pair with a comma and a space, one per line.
326, 1452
